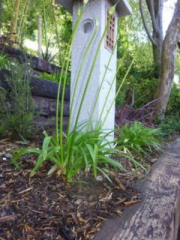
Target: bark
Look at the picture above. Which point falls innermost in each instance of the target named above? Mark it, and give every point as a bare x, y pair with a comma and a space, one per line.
155, 9
158, 33
168, 62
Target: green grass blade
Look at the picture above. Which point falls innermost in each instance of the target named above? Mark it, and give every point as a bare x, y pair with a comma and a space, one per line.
45, 147
22, 152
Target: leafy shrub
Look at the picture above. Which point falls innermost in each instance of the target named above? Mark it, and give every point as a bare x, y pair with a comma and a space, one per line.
169, 126
3, 61
173, 107
53, 77
138, 139
47, 54
17, 104
138, 90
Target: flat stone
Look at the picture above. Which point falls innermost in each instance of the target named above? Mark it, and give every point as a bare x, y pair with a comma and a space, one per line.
9, 156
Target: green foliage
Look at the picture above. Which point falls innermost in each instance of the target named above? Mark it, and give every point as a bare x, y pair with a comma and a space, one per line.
138, 139
6, 13
169, 126
54, 77
17, 105
50, 77
177, 70
47, 55
141, 83
82, 150
3, 61
57, 23
133, 44
140, 86
173, 107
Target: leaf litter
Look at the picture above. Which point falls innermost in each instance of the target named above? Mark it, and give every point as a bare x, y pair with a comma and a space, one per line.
45, 207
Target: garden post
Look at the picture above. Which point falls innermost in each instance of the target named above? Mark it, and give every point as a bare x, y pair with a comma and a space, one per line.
96, 11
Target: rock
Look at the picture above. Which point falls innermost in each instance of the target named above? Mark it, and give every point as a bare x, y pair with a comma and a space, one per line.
99, 178
9, 156
153, 160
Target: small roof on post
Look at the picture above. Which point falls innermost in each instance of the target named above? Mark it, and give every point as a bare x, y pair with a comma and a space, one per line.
123, 8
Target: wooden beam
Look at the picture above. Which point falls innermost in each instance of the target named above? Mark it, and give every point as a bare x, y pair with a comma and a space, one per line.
157, 216
44, 88
47, 107
36, 63
39, 87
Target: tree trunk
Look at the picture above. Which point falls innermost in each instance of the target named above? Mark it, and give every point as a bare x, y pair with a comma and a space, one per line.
158, 35
155, 9
157, 51
168, 62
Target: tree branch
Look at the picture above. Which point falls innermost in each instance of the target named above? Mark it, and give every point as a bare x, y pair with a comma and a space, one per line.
152, 12
175, 18
168, 61
148, 5
145, 25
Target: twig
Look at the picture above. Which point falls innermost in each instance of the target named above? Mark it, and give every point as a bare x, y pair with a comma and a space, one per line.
113, 175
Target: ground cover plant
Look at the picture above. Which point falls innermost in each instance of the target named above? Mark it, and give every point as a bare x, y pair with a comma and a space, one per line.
169, 126
139, 139
173, 108
3, 61
53, 77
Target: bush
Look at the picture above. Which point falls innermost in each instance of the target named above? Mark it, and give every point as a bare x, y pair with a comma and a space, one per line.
54, 77
169, 126
173, 107
3, 61
138, 139
17, 104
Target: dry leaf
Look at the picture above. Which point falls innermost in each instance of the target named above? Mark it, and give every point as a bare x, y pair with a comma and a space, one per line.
126, 204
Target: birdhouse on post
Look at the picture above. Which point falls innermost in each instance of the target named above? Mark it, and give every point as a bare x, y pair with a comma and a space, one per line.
96, 10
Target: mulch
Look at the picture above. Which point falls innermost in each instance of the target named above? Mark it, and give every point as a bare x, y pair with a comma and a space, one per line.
45, 207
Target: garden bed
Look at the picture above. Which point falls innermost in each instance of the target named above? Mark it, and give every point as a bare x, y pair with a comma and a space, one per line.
42, 207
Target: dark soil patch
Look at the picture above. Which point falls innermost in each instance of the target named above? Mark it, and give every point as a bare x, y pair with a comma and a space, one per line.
44, 208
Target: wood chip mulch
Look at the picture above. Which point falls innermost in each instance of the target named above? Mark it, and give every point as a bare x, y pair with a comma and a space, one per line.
49, 208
